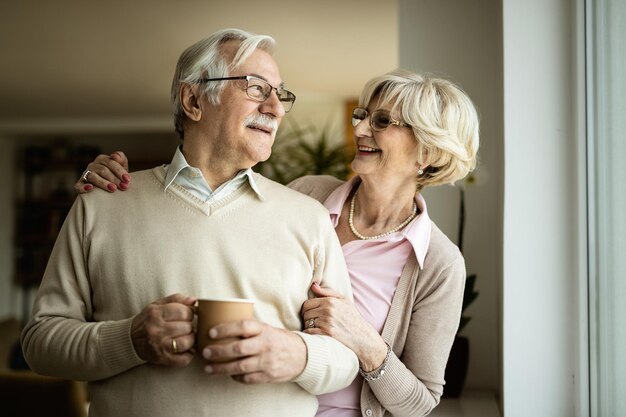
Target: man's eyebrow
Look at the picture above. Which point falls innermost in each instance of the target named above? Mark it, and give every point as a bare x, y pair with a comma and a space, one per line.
255, 75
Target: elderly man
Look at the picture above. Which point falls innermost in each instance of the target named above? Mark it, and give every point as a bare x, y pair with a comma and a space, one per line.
203, 226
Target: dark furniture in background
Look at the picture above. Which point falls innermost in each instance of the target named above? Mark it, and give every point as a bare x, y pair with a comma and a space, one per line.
44, 195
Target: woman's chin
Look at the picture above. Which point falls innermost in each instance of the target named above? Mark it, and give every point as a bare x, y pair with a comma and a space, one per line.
361, 167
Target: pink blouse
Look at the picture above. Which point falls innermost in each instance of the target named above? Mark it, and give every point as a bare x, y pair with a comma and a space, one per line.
375, 267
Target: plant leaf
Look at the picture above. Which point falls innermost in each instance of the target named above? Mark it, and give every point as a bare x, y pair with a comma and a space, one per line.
300, 151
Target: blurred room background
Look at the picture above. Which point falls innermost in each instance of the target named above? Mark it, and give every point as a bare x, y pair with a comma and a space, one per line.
80, 78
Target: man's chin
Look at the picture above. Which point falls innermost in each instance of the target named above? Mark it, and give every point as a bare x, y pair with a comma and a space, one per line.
260, 158
264, 155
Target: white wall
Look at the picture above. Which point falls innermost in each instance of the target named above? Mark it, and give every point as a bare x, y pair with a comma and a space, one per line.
543, 174
540, 312
461, 40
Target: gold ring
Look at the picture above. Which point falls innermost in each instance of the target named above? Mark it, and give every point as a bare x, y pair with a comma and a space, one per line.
85, 174
174, 346
310, 323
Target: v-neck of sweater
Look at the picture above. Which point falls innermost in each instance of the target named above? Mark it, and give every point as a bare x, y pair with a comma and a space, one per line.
207, 208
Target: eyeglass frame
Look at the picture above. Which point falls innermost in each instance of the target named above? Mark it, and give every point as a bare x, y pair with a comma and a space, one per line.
247, 78
392, 121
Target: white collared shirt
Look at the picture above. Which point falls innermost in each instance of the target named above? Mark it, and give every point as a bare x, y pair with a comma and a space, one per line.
191, 178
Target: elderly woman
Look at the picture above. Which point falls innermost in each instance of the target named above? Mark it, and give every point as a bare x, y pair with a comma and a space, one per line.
411, 132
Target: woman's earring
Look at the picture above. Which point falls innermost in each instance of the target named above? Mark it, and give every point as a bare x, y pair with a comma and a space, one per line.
420, 171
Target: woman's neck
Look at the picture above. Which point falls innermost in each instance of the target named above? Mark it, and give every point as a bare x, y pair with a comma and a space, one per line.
383, 204
377, 210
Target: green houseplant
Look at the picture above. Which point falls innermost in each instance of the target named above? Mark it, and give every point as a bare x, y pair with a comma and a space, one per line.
469, 294
307, 150
458, 361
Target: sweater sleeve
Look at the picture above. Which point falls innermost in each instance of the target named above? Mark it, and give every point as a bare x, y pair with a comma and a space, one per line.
413, 384
61, 339
330, 366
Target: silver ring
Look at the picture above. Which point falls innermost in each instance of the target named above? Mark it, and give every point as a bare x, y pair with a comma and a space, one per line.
85, 174
310, 323
174, 346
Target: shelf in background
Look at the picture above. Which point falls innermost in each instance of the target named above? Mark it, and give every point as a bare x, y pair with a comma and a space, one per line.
470, 404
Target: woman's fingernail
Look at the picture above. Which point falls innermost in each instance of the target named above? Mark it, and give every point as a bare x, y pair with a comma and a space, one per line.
212, 333
111, 187
126, 178
88, 187
123, 185
208, 369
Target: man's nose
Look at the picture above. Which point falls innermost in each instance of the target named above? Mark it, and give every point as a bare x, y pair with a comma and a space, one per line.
273, 105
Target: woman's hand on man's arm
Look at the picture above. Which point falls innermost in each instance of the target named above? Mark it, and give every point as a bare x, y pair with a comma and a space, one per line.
332, 315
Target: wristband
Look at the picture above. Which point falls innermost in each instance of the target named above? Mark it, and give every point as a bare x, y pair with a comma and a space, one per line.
378, 372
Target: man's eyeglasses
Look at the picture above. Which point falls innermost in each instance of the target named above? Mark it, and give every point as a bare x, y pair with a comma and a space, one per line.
379, 119
260, 90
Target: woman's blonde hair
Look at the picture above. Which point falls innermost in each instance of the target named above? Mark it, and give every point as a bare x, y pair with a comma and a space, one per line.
443, 118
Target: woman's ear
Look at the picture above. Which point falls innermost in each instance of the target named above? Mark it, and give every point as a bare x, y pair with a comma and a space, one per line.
423, 160
422, 165
190, 102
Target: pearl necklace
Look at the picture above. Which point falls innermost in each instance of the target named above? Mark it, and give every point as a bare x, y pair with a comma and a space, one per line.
388, 232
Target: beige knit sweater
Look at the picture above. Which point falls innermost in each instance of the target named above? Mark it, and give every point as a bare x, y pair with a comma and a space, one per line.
117, 253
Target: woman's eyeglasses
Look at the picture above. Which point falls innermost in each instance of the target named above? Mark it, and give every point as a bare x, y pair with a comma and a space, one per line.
379, 119
260, 90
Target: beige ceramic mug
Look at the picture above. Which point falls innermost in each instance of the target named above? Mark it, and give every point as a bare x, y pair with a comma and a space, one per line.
212, 312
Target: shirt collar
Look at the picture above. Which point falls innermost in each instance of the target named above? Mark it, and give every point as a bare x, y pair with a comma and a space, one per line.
179, 163
176, 166
417, 232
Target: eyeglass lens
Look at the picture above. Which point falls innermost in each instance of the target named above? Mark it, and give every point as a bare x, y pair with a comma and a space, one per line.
379, 120
260, 90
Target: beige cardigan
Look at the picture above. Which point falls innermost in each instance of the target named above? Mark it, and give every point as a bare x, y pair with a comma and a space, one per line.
420, 327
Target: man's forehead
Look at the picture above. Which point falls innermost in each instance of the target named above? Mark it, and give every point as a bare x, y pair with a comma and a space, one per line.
229, 48
260, 64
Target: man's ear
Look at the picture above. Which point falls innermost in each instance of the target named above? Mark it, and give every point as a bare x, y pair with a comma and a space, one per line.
190, 101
